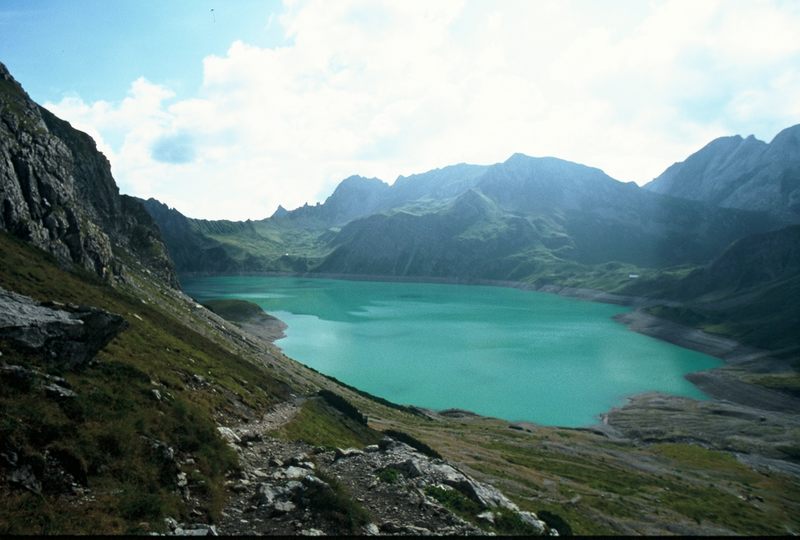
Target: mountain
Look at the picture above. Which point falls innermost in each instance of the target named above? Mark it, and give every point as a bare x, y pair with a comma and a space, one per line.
357, 196
508, 221
747, 293
56, 191
527, 213
354, 197
733, 172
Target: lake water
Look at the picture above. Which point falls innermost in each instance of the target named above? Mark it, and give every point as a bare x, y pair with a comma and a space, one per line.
517, 355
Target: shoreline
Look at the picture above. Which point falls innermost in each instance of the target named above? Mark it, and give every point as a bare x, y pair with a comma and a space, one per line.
716, 383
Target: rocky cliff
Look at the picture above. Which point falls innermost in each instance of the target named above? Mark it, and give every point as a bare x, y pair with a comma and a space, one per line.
57, 192
737, 172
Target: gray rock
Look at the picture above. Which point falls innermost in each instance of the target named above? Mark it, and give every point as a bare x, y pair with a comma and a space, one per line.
370, 529
486, 495
312, 532
532, 520
196, 529
486, 516
298, 459
291, 473
294, 486
156, 394
67, 338
313, 481
284, 507
57, 193
386, 443
412, 468
58, 392
229, 435
394, 528
170, 523
346, 453
267, 494
182, 481
10, 457
372, 448
25, 477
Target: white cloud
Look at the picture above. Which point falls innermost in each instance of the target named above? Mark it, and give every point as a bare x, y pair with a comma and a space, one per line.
383, 88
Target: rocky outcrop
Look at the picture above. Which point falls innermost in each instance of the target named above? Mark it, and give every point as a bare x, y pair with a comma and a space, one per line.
289, 488
66, 336
57, 192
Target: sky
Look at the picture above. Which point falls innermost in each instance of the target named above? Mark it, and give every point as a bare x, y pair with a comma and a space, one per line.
224, 110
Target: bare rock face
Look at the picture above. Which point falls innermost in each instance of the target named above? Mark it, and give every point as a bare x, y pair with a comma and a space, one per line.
66, 336
57, 192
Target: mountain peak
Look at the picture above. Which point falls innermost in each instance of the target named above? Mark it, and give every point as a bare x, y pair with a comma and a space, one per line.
279, 212
785, 145
738, 172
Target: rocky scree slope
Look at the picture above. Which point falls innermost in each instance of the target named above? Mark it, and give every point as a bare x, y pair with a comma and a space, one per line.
291, 487
57, 192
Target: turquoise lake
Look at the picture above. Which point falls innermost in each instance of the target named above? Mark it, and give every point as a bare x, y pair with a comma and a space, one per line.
513, 354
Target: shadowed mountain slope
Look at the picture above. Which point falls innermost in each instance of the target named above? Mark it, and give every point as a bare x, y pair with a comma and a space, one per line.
741, 173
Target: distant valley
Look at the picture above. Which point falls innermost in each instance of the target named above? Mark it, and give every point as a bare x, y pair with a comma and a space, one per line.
546, 222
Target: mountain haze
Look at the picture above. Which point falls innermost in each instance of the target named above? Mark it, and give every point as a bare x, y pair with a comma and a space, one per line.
512, 220
741, 173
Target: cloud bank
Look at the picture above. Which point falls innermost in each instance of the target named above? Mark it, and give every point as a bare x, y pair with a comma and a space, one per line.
382, 88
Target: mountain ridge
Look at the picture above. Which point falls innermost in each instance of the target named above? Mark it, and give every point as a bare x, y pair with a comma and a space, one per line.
741, 173
46, 167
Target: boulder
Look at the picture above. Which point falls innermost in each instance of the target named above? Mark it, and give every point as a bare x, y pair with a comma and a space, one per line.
284, 507
532, 520
229, 435
267, 494
25, 477
346, 453
67, 336
59, 392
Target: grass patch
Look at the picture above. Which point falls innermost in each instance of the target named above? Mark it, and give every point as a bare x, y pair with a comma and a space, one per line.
236, 310
336, 504
343, 406
320, 424
389, 475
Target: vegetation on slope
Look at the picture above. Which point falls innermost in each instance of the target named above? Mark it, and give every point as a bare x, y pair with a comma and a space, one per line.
115, 434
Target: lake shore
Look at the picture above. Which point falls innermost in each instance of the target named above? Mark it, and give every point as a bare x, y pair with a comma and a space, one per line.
736, 406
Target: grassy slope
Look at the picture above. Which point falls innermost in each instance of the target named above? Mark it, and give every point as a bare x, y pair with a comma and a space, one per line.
103, 428
599, 486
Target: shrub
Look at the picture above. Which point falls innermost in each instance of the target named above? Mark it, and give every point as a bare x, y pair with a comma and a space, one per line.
342, 405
